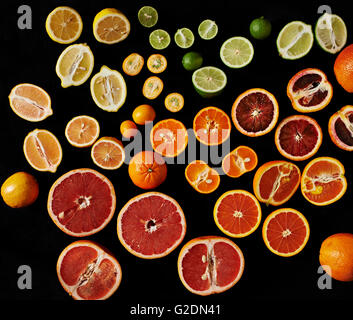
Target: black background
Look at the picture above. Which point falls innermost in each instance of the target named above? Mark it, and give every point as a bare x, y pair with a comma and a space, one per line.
28, 235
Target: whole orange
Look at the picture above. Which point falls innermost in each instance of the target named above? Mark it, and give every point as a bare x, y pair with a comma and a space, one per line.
143, 113
343, 68
128, 129
336, 256
20, 190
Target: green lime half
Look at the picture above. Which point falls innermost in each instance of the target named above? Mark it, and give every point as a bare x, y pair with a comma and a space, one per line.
237, 52
192, 61
159, 39
295, 40
260, 28
331, 33
209, 81
184, 38
208, 29
148, 16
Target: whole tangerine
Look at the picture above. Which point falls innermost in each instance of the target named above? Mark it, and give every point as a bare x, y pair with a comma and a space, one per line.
128, 129
343, 68
143, 114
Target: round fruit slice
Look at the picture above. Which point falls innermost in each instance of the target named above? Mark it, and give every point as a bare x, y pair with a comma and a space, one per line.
159, 39
209, 81
207, 29
174, 102
75, 65
239, 161
152, 87
64, 25
184, 38
169, 137
298, 137
275, 182
42, 150
108, 89
81, 202
309, 90
151, 225
30, 102
110, 26
212, 126
156, 63
87, 271
285, 232
237, 213
211, 264
132, 64
255, 112
295, 40
147, 170
82, 131
323, 181
201, 177
331, 32
108, 153
237, 52
340, 128
147, 16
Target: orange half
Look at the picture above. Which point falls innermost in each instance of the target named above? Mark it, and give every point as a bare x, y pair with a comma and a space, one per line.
108, 153
82, 131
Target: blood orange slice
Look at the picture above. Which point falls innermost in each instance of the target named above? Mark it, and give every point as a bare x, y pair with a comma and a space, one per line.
211, 264
151, 225
340, 128
298, 137
323, 181
309, 90
87, 271
81, 202
275, 182
255, 112
237, 213
285, 232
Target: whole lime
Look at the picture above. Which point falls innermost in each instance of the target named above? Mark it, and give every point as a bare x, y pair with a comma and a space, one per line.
192, 60
260, 28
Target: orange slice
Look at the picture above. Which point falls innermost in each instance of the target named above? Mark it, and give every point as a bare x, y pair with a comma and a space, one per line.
132, 64
152, 87
323, 181
156, 63
201, 177
108, 153
30, 102
42, 150
174, 102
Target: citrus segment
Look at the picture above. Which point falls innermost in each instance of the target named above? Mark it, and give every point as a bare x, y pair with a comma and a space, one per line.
343, 68
159, 39
184, 38
156, 63
147, 16
207, 29
174, 102
132, 64
152, 87
108, 153
237, 52
209, 81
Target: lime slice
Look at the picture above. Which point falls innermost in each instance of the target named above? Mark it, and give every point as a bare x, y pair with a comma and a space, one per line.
184, 38
295, 40
237, 52
159, 39
331, 33
209, 81
208, 29
148, 16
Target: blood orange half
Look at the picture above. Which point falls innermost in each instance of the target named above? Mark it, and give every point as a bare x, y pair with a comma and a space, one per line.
87, 271
210, 264
81, 202
151, 225
298, 137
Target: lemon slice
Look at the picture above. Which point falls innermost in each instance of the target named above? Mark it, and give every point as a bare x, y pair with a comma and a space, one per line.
108, 89
75, 65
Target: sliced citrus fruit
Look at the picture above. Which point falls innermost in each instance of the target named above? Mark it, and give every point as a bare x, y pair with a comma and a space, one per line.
340, 128
237, 52
152, 87
156, 63
82, 131
237, 213
210, 264
209, 81
309, 90
174, 102
147, 16
159, 39
207, 29
255, 112
147, 170
212, 126
132, 64
239, 161
151, 225
275, 182
323, 181
202, 177
108, 153
87, 271
64, 25
295, 40
110, 26
75, 65
298, 137
128, 129
285, 232
30, 102
169, 137
108, 89
42, 150
184, 38
81, 202
143, 114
